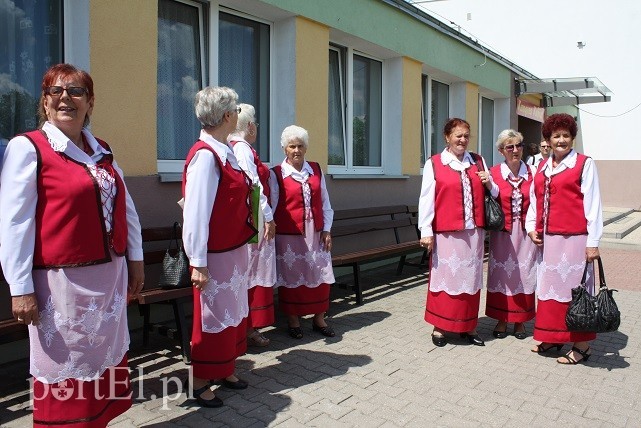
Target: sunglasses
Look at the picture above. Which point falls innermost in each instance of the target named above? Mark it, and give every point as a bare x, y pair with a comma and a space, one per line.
513, 147
72, 91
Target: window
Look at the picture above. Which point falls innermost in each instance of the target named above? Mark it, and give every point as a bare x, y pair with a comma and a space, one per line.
355, 112
180, 76
486, 145
435, 106
31, 41
243, 64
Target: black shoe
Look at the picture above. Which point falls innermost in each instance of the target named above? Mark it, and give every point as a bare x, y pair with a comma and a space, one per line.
325, 331
439, 341
295, 332
520, 334
213, 403
473, 339
500, 334
239, 384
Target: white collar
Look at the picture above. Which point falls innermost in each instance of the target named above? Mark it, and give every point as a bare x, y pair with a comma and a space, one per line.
288, 170
222, 150
506, 171
61, 143
447, 158
568, 162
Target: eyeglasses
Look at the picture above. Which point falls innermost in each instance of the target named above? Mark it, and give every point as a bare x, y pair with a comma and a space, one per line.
72, 91
255, 124
544, 147
237, 110
513, 147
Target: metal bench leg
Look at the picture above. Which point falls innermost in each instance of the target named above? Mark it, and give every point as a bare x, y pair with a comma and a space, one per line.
357, 285
401, 263
145, 311
181, 327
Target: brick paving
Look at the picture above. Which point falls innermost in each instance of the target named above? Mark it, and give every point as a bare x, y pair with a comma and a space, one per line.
382, 370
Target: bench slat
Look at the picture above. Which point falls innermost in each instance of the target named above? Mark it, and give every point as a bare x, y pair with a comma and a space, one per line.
156, 295
369, 212
371, 226
376, 253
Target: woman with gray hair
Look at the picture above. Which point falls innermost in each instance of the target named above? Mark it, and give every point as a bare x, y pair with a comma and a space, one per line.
262, 255
303, 216
217, 226
511, 277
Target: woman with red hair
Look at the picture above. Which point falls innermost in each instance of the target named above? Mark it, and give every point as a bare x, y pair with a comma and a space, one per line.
564, 219
67, 223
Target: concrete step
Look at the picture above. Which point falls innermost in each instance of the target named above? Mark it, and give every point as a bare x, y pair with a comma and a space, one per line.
612, 214
619, 228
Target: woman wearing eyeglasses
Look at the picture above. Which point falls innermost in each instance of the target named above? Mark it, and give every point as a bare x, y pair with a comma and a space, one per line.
564, 219
511, 277
451, 217
262, 255
216, 228
67, 222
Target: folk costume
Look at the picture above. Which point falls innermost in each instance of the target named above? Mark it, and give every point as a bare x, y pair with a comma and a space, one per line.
451, 209
262, 255
565, 207
511, 280
302, 212
67, 222
217, 225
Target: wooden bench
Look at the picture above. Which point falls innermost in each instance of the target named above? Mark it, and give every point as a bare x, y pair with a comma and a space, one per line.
153, 294
390, 231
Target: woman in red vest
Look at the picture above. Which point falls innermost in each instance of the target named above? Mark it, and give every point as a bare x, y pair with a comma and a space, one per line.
262, 255
303, 218
67, 224
564, 219
217, 226
511, 279
451, 219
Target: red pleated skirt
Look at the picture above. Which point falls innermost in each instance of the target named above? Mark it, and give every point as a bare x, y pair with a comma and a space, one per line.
517, 308
304, 300
550, 326
213, 355
454, 313
261, 307
83, 404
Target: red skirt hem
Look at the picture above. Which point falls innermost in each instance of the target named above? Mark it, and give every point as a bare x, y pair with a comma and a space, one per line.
83, 404
454, 313
517, 308
550, 326
304, 300
261, 307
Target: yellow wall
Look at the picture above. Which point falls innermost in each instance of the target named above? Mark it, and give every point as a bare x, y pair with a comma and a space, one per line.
411, 127
472, 114
123, 62
312, 80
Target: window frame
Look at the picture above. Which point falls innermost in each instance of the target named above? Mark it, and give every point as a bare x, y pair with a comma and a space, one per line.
348, 115
489, 157
427, 142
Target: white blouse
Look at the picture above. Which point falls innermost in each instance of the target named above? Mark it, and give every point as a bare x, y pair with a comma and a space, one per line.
245, 158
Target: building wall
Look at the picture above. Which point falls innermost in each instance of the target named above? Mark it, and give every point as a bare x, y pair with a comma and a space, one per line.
411, 117
123, 58
620, 183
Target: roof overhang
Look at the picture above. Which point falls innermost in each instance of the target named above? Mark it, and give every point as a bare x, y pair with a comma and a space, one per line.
565, 91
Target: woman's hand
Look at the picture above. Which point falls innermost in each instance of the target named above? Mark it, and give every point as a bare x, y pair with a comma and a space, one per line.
536, 238
326, 241
136, 269
591, 253
25, 309
200, 277
427, 242
270, 230
485, 179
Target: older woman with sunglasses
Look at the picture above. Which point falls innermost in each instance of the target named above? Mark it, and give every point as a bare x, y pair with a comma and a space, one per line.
511, 277
565, 219
67, 222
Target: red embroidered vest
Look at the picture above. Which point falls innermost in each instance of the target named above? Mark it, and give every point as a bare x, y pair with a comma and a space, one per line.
290, 212
565, 212
505, 195
230, 223
263, 170
449, 209
70, 226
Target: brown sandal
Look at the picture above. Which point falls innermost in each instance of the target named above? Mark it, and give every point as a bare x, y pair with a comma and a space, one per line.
257, 339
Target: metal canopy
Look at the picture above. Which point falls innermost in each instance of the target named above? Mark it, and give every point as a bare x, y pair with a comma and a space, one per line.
565, 91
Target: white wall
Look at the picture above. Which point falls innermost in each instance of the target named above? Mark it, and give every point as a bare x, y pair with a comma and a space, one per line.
542, 37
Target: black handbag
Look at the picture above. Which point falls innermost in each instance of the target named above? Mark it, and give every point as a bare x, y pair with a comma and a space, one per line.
594, 314
494, 216
175, 265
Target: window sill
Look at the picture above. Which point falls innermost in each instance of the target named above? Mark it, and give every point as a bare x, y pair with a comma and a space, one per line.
170, 177
368, 177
